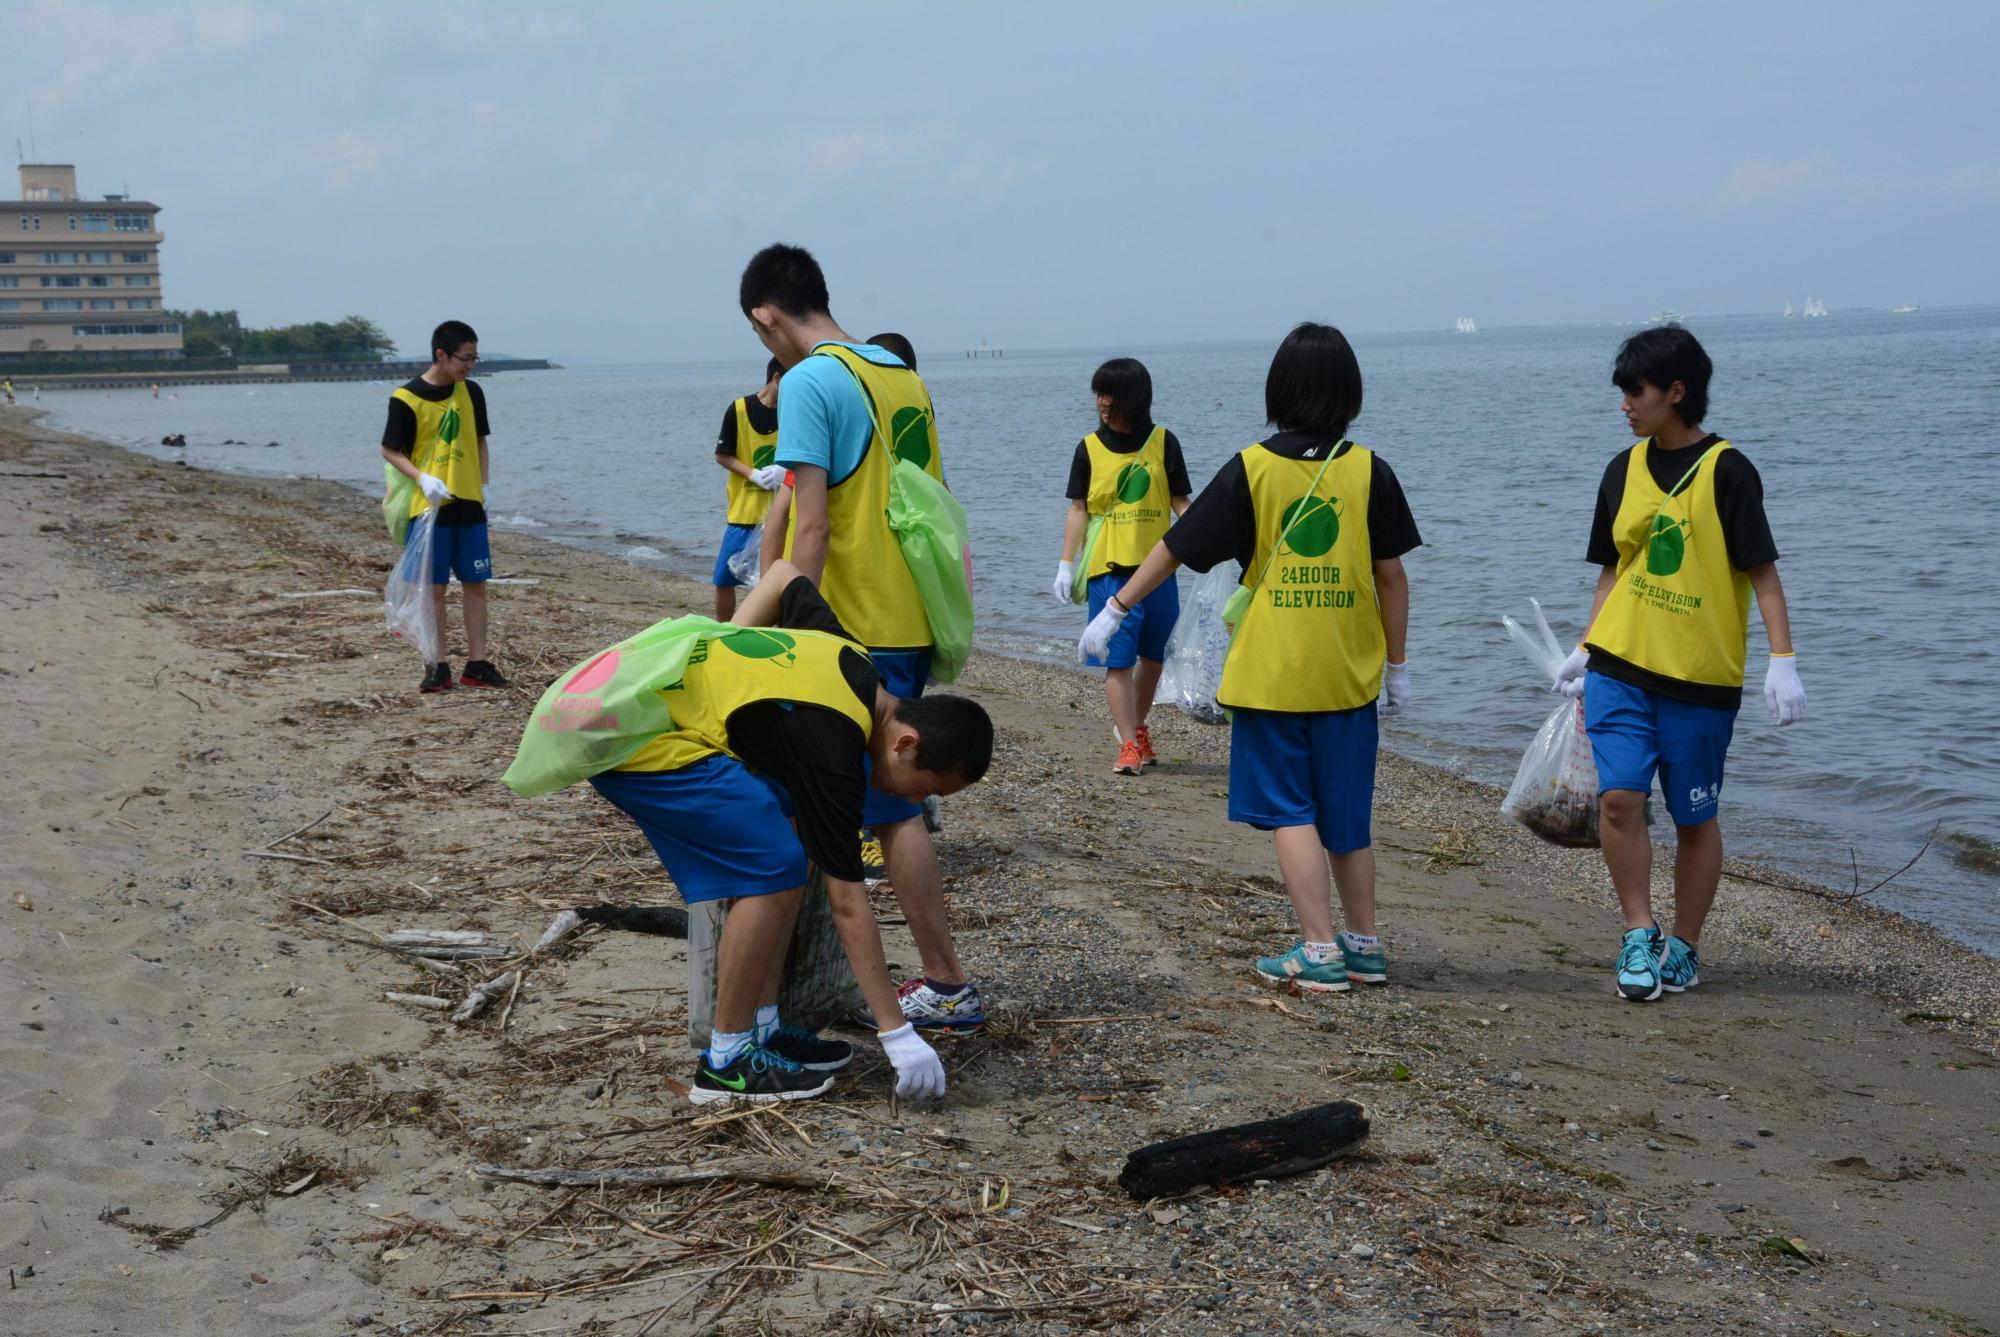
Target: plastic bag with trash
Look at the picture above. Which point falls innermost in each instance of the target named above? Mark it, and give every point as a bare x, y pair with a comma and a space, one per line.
818, 986
398, 491
1079, 583
406, 599
929, 525
746, 561
1554, 793
1200, 644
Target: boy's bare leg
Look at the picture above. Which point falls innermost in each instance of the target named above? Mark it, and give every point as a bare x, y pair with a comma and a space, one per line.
1697, 870
437, 611
1145, 683
753, 937
1118, 695
1628, 854
472, 604
919, 884
725, 602
1354, 877
1302, 863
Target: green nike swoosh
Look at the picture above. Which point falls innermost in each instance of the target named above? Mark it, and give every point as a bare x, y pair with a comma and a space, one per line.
733, 1083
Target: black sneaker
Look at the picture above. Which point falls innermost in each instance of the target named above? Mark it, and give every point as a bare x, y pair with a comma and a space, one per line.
756, 1075
437, 680
479, 673
809, 1051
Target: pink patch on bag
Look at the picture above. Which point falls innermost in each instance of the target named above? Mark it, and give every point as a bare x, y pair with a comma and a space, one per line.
592, 675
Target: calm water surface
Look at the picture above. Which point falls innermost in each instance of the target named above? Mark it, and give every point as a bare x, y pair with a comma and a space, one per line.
1874, 434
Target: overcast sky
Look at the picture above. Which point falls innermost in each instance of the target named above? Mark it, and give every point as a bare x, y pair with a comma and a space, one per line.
585, 181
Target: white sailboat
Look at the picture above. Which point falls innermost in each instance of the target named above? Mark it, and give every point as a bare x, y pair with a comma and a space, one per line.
1467, 325
1815, 307
1788, 311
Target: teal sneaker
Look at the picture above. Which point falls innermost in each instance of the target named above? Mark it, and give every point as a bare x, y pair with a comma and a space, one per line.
1681, 970
1293, 968
1639, 964
1368, 967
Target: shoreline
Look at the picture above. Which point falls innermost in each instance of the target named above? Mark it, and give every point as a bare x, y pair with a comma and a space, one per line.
1796, 865
1544, 1158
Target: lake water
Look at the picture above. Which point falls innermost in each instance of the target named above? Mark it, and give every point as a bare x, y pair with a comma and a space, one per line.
1874, 434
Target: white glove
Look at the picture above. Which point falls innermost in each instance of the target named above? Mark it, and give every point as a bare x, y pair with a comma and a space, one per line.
433, 488
919, 1071
1569, 678
1097, 636
1065, 582
1783, 692
771, 477
1395, 689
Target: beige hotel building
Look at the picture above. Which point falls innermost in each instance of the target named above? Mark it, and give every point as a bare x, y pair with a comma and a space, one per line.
80, 277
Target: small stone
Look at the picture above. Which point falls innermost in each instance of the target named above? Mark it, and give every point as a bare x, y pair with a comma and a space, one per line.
1572, 1127
360, 1318
593, 1091
1361, 1251
1517, 1078
1503, 1007
1729, 1208
1598, 1218
111, 1021
1678, 1078
1765, 1132
1746, 1142
1654, 1144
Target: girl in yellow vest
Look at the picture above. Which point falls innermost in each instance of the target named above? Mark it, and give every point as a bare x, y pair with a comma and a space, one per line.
1682, 541
747, 448
1320, 526
1127, 478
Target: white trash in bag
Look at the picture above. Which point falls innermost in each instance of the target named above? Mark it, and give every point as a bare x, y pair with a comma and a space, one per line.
1193, 672
1554, 793
746, 561
406, 599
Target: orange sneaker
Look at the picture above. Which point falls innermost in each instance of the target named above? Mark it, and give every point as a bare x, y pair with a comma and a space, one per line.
1128, 762
1147, 757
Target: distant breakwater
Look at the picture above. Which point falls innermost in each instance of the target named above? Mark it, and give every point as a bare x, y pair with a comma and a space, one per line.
267, 373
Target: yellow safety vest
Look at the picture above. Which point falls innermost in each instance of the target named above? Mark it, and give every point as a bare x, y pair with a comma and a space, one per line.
447, 444
727, 674
865, 581
749, 503
1679, 608
1130, 492
1311, 637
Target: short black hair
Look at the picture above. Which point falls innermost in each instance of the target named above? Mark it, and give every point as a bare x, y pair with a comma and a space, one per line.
786, 277
1130, 386
1661, 356
898, 345
954, 734
450, 337
773, 370
1314, 384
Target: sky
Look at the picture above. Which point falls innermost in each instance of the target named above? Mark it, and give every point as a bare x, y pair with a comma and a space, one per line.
586, 181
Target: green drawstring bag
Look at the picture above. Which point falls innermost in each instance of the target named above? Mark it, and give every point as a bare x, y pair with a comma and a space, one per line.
1079, 584
397, 493
595, 716
929, 526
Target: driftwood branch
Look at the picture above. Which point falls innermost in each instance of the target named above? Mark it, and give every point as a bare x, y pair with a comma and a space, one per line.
423, 1000
450, 944
483, 995
750, 1170
1266, 1149
1855, 892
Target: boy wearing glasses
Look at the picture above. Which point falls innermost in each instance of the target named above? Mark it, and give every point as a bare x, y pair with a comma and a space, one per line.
436, 437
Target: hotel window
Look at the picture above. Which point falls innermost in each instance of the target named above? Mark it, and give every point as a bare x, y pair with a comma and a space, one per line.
97, 257
10, 304
72, 222
6, 257
9, 281
138, 280
101, 304
63, 281
138, 304
138, 257
133, 222
66, 304
96, 222
62, 257
100, 280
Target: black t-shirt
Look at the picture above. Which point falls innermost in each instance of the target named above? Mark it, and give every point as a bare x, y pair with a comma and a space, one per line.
763, 420
813, 752
1746, 532
400, 435
1222, 523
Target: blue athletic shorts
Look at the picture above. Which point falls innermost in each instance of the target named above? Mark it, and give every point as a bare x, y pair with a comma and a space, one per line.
460, 550
1146, 629
1634, 732
719, 827
1316, 768
734, 539
903, 674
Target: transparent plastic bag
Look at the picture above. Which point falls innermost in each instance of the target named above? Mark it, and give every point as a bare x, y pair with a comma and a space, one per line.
406, 599
745, 562
818, 987
1554, 793
1200, 643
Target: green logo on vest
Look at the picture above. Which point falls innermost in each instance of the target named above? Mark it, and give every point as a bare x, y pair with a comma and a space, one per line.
910, 436
763, 455
1668, 547
1311, 525
761, 644
1134, 482
448, 425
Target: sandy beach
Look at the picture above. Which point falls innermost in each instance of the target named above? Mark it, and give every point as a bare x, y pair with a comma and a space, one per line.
212, 1121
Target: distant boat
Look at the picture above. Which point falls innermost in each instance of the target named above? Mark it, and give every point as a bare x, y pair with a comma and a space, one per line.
1467, 325
1788, 311
1907, 309
1815, 307
1663, 317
